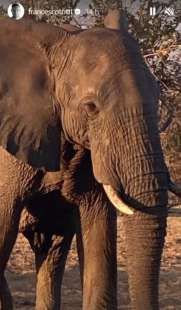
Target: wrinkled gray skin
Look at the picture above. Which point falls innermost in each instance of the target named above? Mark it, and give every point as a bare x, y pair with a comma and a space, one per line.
94, 88
50, 222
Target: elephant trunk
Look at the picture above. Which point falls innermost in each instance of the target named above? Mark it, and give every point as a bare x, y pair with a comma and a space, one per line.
146, 190
132, 165
144, 244
146, 174
147, 187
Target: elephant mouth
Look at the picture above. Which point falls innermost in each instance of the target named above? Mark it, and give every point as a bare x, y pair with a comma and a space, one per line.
124, 207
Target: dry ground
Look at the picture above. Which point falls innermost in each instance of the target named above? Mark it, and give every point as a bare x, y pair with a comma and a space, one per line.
21, 276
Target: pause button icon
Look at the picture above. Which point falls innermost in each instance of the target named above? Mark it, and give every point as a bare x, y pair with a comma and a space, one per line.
152, 10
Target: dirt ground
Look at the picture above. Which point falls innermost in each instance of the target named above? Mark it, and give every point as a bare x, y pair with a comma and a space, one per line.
21, 276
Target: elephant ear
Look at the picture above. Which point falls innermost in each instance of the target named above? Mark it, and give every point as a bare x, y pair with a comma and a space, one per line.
112, 19
29, 125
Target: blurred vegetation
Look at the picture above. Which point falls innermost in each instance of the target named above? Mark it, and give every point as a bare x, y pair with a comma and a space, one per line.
2, 12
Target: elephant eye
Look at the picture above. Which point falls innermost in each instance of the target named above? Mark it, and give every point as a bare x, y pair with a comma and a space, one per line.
91, 108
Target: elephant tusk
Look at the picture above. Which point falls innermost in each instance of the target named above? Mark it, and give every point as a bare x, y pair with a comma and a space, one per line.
118, 203
175, 188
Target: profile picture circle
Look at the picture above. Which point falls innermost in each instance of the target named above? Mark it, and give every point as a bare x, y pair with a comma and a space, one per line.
16, 10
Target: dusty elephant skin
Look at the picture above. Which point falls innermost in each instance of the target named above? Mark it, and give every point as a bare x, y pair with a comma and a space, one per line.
50, 231
93, 87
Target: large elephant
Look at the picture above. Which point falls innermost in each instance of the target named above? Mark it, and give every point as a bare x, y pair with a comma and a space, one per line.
49, 223
94, 88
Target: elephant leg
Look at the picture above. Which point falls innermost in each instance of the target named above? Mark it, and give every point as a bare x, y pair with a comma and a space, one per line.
144, 243
48, 223
50, 269
9, 219
96, 244
80, 252
50, 258
15, 180
6, 298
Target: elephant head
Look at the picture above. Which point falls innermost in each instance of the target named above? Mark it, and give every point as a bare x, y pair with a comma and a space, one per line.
95, 87
109, 102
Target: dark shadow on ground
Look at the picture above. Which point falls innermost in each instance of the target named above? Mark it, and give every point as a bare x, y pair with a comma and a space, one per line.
23, 289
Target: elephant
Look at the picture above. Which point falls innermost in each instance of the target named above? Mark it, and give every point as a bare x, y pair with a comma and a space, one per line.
50, 230
78, 126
